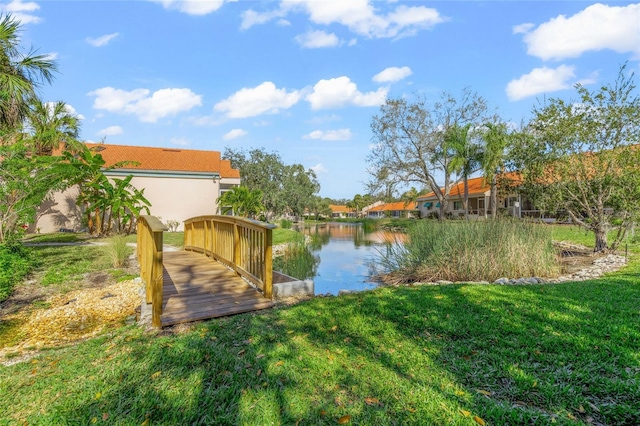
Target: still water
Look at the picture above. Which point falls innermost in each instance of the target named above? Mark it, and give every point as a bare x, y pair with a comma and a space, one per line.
341, 256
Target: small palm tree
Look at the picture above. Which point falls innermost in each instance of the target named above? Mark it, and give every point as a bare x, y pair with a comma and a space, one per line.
241, 201
496, 142
50, 125
466, 157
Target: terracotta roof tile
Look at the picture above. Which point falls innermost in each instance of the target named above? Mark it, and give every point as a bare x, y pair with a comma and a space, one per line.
340, 209
397, 206
166, 159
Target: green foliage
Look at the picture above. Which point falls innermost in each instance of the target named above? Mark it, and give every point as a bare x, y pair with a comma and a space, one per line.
51, 124
472, 251
582, 158
16, 262
285, 224
21, 74
241, 201
285, 188
298, 260
25, 182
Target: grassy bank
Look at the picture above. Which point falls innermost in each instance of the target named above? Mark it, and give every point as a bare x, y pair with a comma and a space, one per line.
422, 355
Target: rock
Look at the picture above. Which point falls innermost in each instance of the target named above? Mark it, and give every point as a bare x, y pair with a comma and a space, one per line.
444, 282
501, 281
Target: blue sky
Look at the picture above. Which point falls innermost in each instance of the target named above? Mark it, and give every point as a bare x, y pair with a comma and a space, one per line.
305, 77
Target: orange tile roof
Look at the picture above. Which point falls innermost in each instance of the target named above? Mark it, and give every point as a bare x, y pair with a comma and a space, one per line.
476, 186
340, 209
397, 206
166, 159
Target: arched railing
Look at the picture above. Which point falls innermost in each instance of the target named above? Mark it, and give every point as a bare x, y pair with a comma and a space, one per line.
243, 245
150, 231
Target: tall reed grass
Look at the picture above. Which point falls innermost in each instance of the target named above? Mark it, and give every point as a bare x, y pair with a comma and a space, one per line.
472, 251
298, 260
117, 251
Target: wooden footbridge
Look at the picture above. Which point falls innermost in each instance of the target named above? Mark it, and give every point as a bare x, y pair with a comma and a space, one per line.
225, 268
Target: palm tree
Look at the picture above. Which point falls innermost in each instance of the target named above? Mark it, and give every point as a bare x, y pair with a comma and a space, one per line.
496, 141
465, 157
241, 201
50, 125
20, 74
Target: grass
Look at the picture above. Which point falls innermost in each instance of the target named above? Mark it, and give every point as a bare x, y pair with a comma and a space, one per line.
65, 266
471, 251
281, 236
412, 355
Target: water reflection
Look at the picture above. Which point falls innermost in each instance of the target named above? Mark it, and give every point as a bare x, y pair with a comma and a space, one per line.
339, 256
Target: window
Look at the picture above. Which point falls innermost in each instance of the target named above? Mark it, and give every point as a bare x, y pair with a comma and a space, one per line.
457, 205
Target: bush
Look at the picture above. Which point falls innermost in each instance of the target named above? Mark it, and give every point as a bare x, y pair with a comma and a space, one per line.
117, 251
16, 262
286, 224
472, 251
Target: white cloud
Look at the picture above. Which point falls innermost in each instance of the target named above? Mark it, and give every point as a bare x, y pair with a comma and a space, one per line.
110, 131
330, 135
284, 23
341, 91
71, 110
319, 168
263, 99
193, 7
541, 80
597, 27
180, 141
159, 104
234, 134
523, 28
317, 39
22, 11
360, 16
51, 56
392, 74
102, 40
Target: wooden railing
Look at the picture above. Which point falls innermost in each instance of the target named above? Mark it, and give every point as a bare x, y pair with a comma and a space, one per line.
149, 250
244, 245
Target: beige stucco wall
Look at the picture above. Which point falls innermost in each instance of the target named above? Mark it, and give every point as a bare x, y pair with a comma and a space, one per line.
171, 198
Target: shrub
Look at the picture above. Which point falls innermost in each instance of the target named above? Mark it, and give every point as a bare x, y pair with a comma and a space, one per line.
117, 251
286, 224
298, 260
472, 251
16, 262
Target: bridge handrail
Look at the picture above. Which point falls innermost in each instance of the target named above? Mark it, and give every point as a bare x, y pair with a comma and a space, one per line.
149, 249
244, 245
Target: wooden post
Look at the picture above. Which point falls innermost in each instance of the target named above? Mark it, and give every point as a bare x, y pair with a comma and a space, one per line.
268, 258
236, 245
156, 279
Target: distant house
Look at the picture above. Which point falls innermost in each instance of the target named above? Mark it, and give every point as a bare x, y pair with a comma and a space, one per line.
479, 192
338, 211
179, 184
395, 210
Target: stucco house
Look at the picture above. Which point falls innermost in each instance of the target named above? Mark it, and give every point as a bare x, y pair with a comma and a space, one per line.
339, 211
479, 192
179, 184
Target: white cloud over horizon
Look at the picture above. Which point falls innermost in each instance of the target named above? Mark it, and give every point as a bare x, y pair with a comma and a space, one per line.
102, 40
193, 7
317, 39
359, 16
180, 141
110, 131
265, 98
330, 135
148, 107
597, 27
541, 80
392, 74
341, 91
318, 168
234, 134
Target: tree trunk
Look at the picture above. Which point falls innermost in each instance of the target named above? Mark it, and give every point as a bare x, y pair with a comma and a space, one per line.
601, 240
493, 201
465, 202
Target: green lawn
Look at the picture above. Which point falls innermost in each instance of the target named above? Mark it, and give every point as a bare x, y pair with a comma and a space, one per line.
427, 355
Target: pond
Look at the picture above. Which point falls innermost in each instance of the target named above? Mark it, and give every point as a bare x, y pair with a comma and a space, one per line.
340, 256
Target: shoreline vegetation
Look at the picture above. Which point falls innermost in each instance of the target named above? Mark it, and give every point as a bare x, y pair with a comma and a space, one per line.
456, 354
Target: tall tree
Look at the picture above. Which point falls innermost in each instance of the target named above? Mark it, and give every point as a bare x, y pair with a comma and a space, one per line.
20, 74
583, 158
298, 188
51, 124
496, 142
465, 157
410, 140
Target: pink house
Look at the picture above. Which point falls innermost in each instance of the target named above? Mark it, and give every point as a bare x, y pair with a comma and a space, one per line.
179, 184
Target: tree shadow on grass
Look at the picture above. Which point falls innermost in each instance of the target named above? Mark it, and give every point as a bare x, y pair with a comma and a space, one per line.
414, 355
